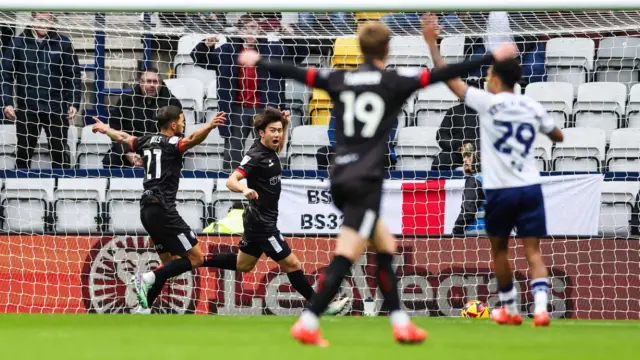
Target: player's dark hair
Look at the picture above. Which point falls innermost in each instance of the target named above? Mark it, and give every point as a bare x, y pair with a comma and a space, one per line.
374, 37
268, 116
166, 115
508, 71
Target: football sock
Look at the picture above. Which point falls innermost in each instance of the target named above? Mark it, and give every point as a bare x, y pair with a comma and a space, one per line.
399, 318
507, 295
149, 277
387, 281
171, 269
226, 261
309, 320
330, 284
301, 284
540, 290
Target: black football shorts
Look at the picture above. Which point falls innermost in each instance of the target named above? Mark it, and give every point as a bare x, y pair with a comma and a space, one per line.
168, 231
359, 201
271, 244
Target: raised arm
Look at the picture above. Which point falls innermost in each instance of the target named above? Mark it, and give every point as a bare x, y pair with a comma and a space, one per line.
452, 73
234, 184
198, 136
206, 55
119, 137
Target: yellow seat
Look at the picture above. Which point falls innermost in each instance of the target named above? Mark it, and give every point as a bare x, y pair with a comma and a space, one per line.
368, 16
320, 107
346, 53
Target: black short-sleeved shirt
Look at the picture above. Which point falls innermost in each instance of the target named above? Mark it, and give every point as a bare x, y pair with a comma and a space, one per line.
162, 161
261, 167
367, 102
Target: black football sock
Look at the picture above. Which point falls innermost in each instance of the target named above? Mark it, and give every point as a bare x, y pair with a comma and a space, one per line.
387, 281
301, 284
225, 261
171, 269
330, 284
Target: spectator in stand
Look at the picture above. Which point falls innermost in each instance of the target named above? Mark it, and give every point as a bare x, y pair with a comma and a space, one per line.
243, 91
325, 154
459, 126
471, 218
135, 114
40, 71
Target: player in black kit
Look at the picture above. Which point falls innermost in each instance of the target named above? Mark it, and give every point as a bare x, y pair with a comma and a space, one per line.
162, 161
261, 167
366, 103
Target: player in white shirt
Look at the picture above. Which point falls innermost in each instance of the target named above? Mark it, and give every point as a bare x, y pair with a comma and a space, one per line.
509, 124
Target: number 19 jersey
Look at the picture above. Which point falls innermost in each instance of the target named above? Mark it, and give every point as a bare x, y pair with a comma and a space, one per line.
367, 102
508, 127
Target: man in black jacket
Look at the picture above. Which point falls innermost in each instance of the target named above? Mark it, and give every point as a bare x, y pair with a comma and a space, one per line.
43, 67
459, 126
135, 114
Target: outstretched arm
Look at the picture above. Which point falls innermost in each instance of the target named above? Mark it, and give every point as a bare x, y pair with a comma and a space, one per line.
119, 137
198, 136
305, 76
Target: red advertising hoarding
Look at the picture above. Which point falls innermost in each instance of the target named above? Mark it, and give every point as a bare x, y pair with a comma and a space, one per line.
591, 279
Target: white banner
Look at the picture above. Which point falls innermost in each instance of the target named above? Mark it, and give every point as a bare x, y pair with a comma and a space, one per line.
572, 205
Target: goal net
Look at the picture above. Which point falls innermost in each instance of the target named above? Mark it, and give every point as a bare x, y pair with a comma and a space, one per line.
71, 235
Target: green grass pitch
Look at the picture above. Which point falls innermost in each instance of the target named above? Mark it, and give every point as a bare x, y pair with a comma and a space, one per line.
96, 337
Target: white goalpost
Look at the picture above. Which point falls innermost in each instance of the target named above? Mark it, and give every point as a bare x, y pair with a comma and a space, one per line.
70, 234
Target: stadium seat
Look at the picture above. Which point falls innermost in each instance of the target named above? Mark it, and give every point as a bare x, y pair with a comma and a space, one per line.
192, 201
78, 205
633, 107
555, 97
600, 105
8, 142
27, 205
223, 198
91, 149
208, 155
320, 107
569, 60
616, 204
183, 63
408, 51
624, 150
542, 151
618, 60
210, 103
305, 142
416, 148
581, 150
452, 49
346, 53
297, 96
190, 93
432, 104
123, 204
364, 16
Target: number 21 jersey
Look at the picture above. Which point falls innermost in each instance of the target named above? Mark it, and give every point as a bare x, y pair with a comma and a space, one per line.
162, 161
367, 102
508, 127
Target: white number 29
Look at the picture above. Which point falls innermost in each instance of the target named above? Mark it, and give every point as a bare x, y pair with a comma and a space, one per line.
367, 108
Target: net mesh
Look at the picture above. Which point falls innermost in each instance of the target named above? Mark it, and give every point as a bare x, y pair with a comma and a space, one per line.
72, 238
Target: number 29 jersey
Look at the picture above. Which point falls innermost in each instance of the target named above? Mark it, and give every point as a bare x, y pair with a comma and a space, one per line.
366, 103
508, 127
162, 161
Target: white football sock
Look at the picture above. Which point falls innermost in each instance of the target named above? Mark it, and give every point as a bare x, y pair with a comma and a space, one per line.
399, 318
508, 300
309, 320
149, 277
540, 290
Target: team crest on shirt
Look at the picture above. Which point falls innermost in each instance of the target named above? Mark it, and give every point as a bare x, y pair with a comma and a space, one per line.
174, 140
245, 160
